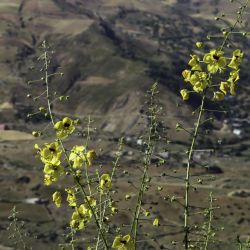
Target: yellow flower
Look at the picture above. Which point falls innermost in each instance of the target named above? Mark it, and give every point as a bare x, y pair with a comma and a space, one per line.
236, 59
77, 155
77, 222
123, 243
36, 146
78, 173
198, 44
127, 197
49, 179
114, 210
146, 213
91, 155
224, 87
92, 201
218, 96
156, 222
50, 153
234, 76
184, 94
54, 168
57, 198
71, 198
36, 133
105, 182
84, 212
195, 63
80, 217
64, 128
199, 81
215, 61
186, 75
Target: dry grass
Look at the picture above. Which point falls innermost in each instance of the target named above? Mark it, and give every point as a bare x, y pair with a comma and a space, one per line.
14, 135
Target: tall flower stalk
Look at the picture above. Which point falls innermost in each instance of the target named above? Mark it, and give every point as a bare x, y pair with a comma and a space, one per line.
201, 78
79, 156
150, 141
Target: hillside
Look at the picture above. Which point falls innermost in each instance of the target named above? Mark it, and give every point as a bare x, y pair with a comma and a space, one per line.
110, 52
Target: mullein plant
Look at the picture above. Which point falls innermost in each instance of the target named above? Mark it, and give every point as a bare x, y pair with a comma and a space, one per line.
155, 132
213, 75
208, 229
89, 196
18, 234
152, 136
206, 233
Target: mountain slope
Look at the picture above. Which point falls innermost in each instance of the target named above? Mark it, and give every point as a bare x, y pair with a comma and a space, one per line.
110, 52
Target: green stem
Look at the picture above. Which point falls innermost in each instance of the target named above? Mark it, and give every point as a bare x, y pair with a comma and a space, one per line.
87, 141
187, 179
100, 214
139, 203
72, 240
115, 165
209, 221
239, 16
148, 156
20, 235
93, 212
87, 178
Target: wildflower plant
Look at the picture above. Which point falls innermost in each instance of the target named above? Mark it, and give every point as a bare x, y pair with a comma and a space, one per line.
206, 233
213, 75
90, 202
151, 138
18, 234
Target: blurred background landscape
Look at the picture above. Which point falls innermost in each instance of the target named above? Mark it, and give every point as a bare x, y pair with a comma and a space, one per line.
111, 52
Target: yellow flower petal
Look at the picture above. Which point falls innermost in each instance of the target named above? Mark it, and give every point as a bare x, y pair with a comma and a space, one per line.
218, 96
105, 182
64, 128
57, 198
156, 222
184, 94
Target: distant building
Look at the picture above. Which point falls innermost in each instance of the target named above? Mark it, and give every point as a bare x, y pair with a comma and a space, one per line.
3, 126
